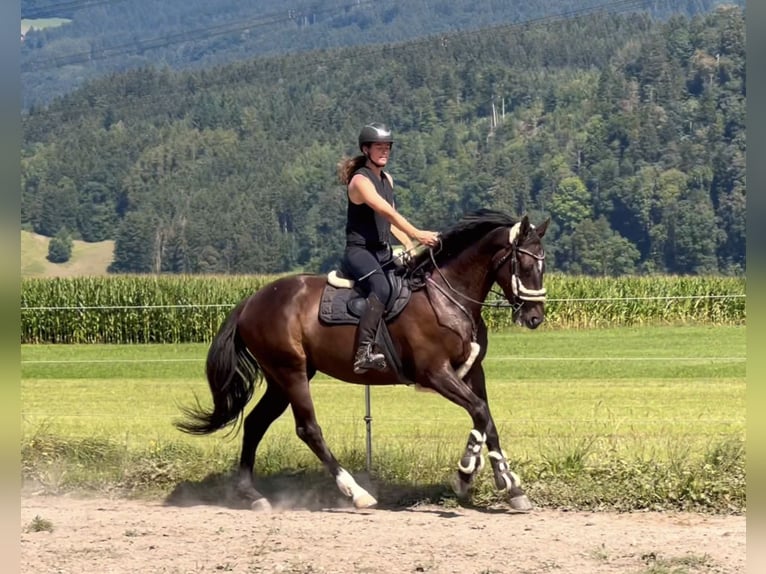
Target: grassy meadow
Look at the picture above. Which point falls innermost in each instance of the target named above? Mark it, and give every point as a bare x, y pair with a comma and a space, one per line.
88, 259
622, 418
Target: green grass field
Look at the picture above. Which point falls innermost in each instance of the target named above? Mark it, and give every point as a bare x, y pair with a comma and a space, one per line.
642, 387
562, 400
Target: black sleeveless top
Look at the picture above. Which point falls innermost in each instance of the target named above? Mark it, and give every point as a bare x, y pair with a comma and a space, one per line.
364, 226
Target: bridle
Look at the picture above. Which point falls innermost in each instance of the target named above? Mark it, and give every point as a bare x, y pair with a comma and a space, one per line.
520, 291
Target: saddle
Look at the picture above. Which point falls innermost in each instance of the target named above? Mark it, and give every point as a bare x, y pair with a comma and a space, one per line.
342, 302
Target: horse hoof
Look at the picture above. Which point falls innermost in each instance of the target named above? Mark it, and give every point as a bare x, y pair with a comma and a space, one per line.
461, 488
260, 505
365, 501
520, 503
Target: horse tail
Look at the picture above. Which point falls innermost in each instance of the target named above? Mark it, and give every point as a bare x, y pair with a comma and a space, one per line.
232, 373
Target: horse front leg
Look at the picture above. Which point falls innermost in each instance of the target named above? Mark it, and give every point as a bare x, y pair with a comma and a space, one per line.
471, 463
508, 481
445, 381
505, 479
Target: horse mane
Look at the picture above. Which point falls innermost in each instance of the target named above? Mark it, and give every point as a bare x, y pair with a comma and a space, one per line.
466, 232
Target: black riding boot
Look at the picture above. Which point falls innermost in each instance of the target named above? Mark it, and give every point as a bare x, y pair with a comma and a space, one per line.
366, 357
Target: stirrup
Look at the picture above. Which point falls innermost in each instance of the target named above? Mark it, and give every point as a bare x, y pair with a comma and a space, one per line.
367, 359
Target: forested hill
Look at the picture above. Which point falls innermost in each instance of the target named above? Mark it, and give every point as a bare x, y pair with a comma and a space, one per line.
629, 132
116, 35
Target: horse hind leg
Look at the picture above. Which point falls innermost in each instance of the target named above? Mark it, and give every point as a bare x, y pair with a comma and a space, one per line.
308, 430
269, 408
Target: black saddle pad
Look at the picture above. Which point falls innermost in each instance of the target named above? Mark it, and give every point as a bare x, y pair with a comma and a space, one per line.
342, 306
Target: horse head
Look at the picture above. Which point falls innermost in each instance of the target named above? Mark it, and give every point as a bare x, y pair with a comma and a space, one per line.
520, 270
487, 247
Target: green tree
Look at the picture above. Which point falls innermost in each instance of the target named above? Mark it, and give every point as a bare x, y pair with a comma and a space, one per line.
96, 218
593, 248
571, 203
693, 236
598, 250
60, 247
134, 248
252, 186
732, 215
58, 208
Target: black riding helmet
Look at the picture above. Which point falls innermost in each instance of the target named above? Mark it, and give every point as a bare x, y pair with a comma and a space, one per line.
375, 132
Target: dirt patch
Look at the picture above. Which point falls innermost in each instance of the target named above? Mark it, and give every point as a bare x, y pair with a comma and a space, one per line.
119, 536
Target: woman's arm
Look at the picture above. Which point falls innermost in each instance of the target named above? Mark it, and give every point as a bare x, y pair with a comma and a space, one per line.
402, 237
361, 190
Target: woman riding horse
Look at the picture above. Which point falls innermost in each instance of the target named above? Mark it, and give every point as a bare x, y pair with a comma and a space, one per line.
440, 337
371, 219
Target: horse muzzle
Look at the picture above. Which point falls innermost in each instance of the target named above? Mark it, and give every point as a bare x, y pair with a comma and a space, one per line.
534, 321
530, 315
530, 311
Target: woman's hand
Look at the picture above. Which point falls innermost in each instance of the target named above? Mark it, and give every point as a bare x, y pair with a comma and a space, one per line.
429, 238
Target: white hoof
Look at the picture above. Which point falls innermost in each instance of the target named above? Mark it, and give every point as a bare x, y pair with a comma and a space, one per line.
365, 500
349, 487
261, 505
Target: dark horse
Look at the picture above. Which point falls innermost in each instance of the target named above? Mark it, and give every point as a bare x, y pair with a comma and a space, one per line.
276, 334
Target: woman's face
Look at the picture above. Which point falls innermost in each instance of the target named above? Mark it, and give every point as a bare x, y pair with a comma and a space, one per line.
380, 152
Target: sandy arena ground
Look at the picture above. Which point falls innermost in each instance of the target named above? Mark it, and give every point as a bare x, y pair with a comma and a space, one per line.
110, 535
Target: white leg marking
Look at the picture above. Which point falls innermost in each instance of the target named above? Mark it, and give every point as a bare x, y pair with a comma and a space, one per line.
465, 367
261, 505
348, 486
481, 464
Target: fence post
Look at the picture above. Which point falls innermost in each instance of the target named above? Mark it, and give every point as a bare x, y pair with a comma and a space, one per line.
368, 425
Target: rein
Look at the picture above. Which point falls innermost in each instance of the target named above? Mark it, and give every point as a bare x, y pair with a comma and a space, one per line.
521, 292
515, 307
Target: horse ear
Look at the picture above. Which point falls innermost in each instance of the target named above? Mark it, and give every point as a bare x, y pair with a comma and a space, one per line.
523, 227
542, 228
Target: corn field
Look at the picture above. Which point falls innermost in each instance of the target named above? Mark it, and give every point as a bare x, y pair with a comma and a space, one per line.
580, 302
187, 309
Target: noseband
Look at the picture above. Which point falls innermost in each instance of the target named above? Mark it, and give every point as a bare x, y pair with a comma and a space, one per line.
518, 288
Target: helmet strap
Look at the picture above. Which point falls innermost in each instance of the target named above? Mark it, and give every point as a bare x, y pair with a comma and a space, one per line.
372, 161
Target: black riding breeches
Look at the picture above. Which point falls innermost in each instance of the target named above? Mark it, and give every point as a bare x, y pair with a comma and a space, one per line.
365, 267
